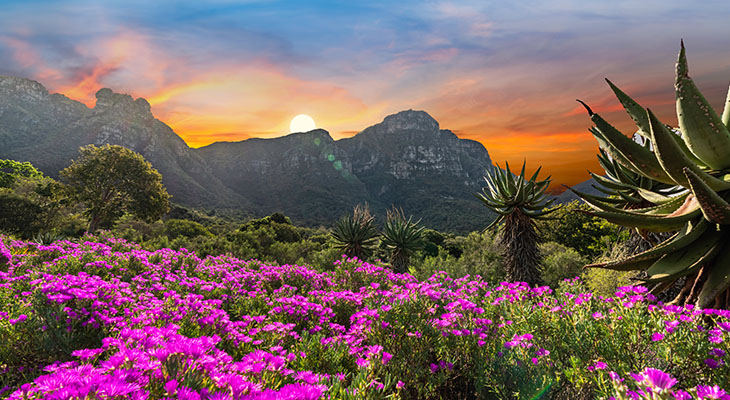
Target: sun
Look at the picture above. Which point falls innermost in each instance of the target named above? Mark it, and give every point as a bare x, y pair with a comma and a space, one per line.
302, 123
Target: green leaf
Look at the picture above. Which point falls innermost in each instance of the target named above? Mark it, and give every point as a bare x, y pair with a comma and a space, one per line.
673, 159
688, 259
714, 207
718, 278
703, 130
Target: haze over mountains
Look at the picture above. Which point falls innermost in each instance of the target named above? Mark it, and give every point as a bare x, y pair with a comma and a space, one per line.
406, 160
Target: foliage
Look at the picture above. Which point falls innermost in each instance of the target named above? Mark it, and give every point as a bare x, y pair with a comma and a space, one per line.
355, 235
518, 201
402, 238
11, 170
32, 204
111, 180
570, 226
110, 317
559, 263
479, 254
175, 228
696, 163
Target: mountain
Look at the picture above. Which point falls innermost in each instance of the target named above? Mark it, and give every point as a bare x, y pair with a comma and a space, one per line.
305, 175
406, 160
47, 130
409, 161
584, 187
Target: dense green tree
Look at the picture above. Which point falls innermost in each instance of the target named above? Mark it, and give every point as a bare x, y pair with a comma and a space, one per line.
112, 180
11, 170
31, 203
175, 228
572, 227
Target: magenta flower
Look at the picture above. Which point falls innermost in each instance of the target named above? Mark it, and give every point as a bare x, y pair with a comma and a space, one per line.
656, 336
711, 392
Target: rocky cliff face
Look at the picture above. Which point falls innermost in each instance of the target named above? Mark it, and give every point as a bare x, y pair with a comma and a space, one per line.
47, 130
410, 145
305, 175
406, 160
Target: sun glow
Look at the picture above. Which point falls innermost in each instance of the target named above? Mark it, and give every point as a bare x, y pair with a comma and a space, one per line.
302, 123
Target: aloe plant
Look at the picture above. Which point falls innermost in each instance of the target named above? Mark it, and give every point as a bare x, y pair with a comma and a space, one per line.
518, 201
355, 235
697, 166
402, 238
625, 188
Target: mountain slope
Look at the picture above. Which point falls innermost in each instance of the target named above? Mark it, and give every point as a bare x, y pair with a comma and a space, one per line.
47, 130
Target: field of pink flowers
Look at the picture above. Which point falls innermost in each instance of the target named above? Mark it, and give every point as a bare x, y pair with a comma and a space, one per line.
104, 319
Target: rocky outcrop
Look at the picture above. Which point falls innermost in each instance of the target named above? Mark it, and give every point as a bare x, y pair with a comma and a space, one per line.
410, 144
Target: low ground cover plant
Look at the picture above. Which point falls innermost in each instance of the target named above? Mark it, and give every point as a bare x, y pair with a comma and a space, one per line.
103, 318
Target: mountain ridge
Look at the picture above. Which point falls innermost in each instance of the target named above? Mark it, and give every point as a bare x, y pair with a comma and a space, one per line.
406, 160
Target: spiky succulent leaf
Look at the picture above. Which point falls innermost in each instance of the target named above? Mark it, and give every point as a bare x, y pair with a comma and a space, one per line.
703, 130
673, 159
642, 159
714, 207
355, 235
402, 237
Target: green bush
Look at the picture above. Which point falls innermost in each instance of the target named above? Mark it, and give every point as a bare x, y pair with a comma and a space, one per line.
175, 228
479, 254
590, 236
559, 263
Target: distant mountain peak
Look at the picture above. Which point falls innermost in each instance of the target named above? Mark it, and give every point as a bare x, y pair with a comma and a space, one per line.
409, 120
107, 99
26, 89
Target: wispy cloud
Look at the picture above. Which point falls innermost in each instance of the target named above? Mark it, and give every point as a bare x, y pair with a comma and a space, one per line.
503, 73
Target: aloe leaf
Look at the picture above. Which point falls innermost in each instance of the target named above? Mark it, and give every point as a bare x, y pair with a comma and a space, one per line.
611, 184
689, 233
713, 206
718, 279
605, 145
635, 111
726, 111
629, 198
663, 208
703, 130
687, 260
643, 160
653, 197
673, 159
654, 223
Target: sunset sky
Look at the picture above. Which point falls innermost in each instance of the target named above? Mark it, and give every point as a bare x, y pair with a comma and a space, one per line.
505, 73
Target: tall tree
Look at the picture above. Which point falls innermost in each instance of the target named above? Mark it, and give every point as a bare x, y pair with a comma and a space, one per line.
111, 180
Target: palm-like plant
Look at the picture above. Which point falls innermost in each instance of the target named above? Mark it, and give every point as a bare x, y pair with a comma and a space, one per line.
402, 238
355, 235
698, 165
518, 201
